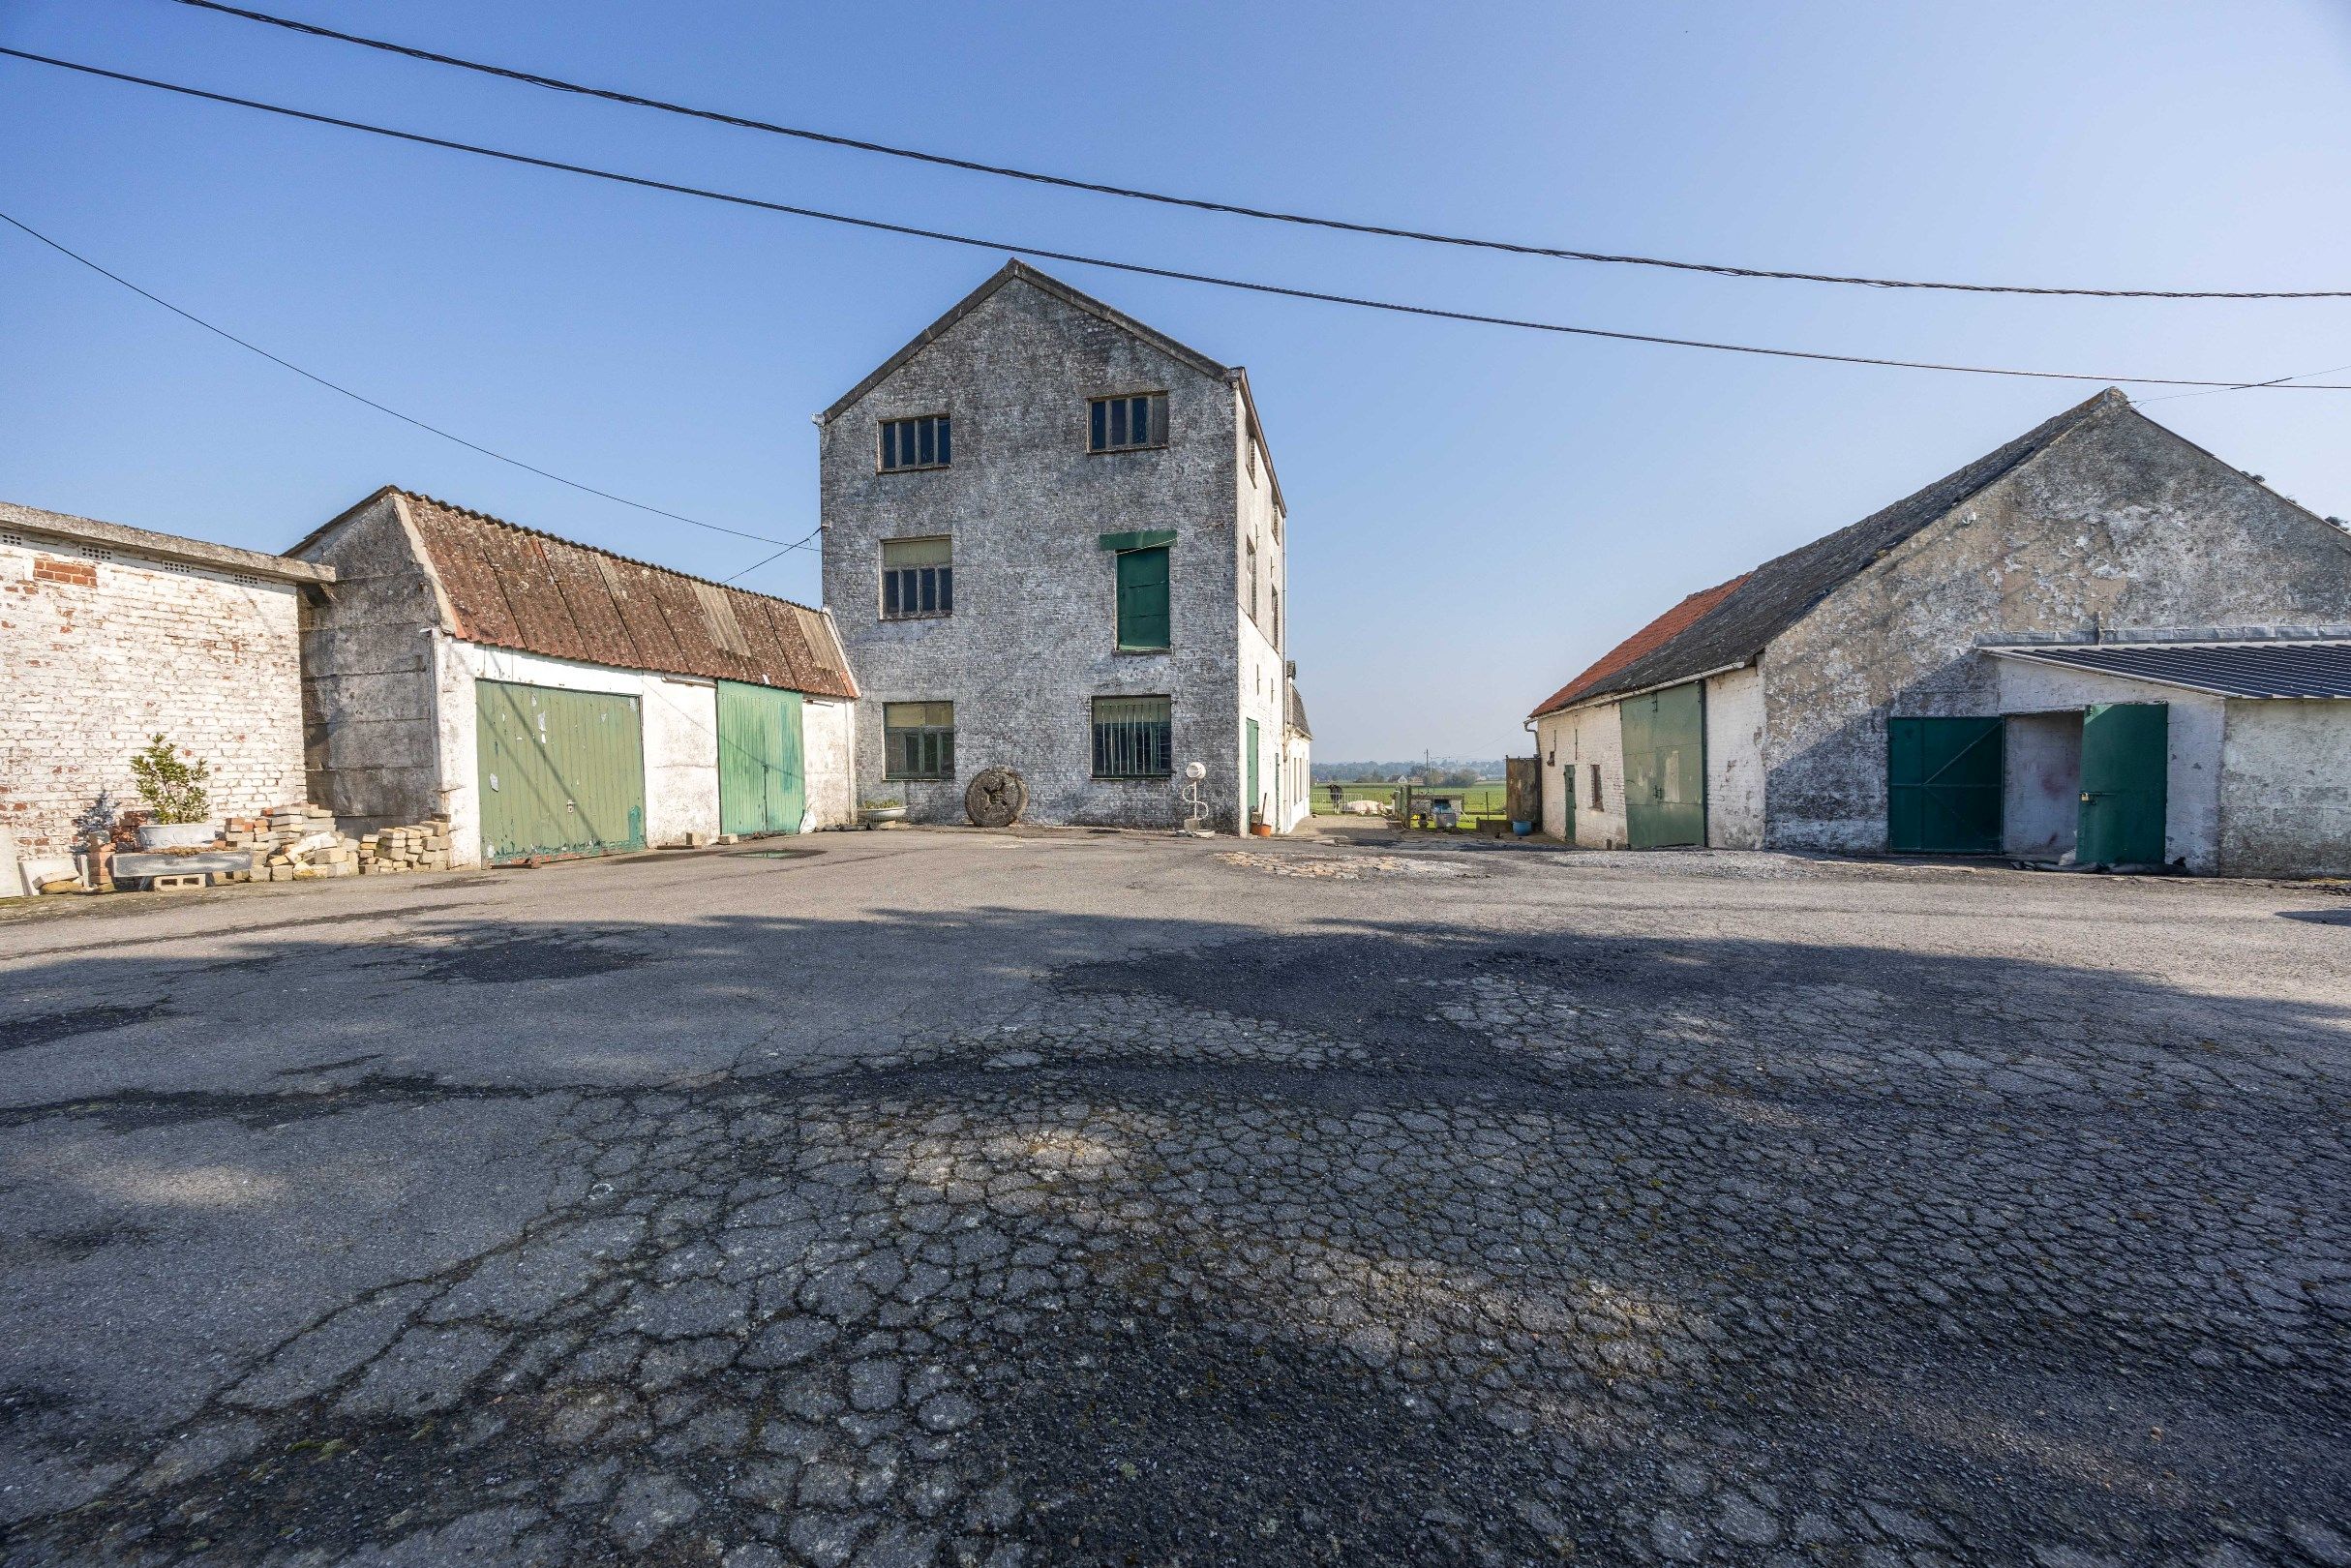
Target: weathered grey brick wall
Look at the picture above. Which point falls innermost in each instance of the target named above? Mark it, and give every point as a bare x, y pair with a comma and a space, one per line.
1033, 637
367, 701
102, 650
2120, 523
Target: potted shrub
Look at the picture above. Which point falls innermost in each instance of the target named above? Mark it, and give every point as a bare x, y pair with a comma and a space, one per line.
870, 812
173, 789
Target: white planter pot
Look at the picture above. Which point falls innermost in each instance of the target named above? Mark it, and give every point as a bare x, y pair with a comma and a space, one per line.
155, 836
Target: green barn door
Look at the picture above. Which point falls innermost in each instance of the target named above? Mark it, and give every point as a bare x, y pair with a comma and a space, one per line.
1664, 768
2125, 751
1250, 813
562, 772
761, 787
1942, 785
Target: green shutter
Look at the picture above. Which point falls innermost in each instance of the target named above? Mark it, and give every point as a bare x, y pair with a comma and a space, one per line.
1143, 599
1142, 539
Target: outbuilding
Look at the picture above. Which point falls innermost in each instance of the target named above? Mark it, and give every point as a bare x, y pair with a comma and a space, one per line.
552, 699
2007, 662
111, 635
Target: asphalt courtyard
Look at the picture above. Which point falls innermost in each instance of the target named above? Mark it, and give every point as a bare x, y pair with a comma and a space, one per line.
951, 1197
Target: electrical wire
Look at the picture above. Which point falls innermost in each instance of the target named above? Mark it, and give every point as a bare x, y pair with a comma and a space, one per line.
385, 408
1202, 204
1392, 307
798, 544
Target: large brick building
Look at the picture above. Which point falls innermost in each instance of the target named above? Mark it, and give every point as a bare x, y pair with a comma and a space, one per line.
109, 635
1054, 542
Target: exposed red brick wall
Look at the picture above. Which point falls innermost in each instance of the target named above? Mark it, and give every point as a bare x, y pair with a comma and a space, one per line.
50, 569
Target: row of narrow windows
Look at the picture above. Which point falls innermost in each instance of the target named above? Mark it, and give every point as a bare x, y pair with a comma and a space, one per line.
1119, 423
1134, 737
919, 581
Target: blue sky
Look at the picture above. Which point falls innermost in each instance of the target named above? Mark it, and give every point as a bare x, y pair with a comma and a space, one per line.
1475, 513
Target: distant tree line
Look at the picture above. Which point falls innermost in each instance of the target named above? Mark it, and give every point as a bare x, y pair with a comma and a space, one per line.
1451, 773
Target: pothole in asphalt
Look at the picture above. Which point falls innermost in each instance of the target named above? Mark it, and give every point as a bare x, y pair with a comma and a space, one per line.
40, 1029
526, 958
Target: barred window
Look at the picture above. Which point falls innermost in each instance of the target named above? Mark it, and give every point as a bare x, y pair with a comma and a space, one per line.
917, 578
919, 740
1121, 424
915, 444
1134, 737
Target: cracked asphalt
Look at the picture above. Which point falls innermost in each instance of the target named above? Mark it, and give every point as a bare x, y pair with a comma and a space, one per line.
946, 1197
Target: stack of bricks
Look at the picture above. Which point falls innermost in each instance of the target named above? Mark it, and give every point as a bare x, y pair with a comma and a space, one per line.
298, 841
419, 847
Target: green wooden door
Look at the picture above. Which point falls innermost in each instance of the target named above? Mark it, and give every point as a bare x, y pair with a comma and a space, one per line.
1942, 785
562, 772
1665, 767
1251, 804
762, 784
2125, 751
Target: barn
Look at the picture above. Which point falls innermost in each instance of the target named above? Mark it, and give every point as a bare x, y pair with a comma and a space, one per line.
551, 699
2097, 644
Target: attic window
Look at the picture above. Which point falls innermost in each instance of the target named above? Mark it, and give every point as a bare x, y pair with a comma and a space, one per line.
921, 442
1121, 424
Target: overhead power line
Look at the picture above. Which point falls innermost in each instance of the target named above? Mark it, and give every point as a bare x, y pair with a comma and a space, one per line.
1236, 209
1280, 290
385, 409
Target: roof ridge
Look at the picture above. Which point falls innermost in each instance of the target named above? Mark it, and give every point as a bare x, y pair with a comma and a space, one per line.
1016, 269
580, 544
1758, 605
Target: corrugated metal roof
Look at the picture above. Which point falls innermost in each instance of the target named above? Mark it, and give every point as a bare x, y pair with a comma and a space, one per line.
2283, 668
513, 587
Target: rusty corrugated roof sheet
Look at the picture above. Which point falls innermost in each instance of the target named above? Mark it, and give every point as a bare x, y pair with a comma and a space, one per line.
513, 587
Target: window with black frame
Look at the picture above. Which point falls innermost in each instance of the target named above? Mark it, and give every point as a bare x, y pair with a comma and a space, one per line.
1123, 423
917, 578
1134, 737
922, 443
918, 741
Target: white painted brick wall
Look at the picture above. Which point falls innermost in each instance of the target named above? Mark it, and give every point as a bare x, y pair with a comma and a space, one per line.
1572, 743
97, 653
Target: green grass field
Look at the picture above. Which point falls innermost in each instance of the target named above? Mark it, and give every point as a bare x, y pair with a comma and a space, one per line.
1484, 799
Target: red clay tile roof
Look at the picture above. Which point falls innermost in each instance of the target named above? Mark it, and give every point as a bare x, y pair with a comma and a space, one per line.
512, 586
1641, 644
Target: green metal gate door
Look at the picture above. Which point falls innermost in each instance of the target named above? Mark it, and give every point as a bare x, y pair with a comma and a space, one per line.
562, 772
1665, 767
1942, 785
761, 787
2125, 749
1251, 817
